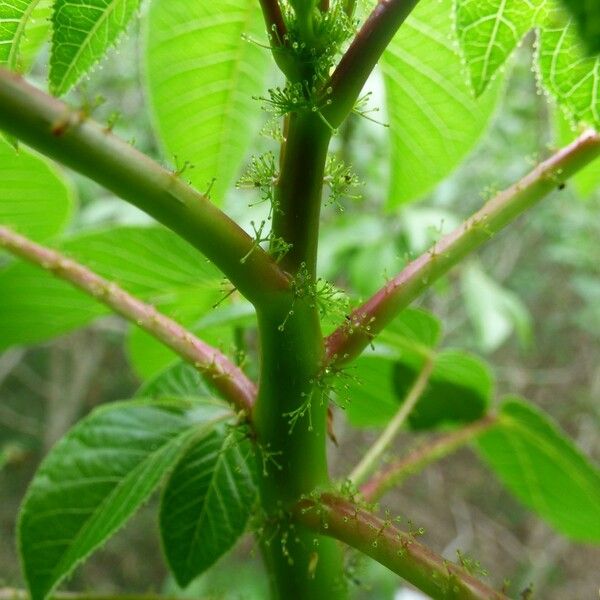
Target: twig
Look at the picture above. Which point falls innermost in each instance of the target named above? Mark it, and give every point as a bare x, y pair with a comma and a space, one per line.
418, 459
223, 374
68, 136
371, 459
361, 57
349, 340
397, 550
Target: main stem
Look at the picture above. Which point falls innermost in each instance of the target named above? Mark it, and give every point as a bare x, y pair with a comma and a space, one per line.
290, 412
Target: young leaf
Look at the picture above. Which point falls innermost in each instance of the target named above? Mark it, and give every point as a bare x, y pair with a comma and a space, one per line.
150, 262
544, 469
489, 31
201, 76
97, 476
434, 118
36, 200
206, 503
83, 30
566, 71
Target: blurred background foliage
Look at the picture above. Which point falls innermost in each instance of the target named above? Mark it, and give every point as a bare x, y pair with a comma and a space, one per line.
530, 303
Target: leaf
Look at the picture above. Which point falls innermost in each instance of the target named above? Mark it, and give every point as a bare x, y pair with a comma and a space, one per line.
14, 19
83, 31
488, 33
96, 477
35, 200
434, 118
206, 503
571, 76
587, 16
494, 311
151, 262
201, 76
179, 380
459, 390
544, 469
37, 32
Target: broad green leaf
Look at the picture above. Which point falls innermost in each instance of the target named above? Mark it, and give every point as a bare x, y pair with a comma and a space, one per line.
434, 118
149, 357
152, 263
413, 329
35, 200
571, 76
19, 20
179, 380
97, 476
207, 502
494, 311
459, 390
201, 76
83, 30
587, 16
544, 469
489, 31
37, 32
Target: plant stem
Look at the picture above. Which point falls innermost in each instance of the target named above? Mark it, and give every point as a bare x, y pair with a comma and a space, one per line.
373, 456
215, 366
290, 411
349, 340
364, 52
414, 462
397, 550
68, 136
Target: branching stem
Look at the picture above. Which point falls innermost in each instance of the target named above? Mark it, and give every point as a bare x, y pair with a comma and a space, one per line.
399, 551
215, 366
418, 459
56, 130
372, 458
349, 340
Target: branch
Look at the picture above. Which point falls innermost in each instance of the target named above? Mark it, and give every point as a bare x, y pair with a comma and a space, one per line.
414, 462
68, 136
214, 365
373, 456
363, 54
350, 339
274, 21
398, 551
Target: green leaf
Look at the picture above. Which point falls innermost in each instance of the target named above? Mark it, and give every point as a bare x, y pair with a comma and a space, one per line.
206, 503
37, 32
151, 262
83, 30
587, 16
489, 31
459, 390
494, 311
16, 17
180, 380
35, 199
434, 118
544, 469
201, 76
96, 477
566, 71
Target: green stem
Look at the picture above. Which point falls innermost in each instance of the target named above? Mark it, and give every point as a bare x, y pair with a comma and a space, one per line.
290, 411
213, 364
420, 458
397, 550
68, 136
372, 458
349, 340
